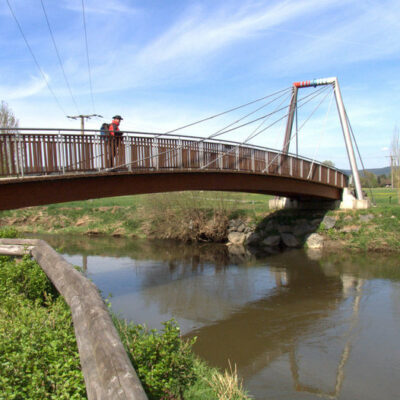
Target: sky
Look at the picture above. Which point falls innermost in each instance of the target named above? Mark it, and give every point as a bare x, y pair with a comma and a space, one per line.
162, 64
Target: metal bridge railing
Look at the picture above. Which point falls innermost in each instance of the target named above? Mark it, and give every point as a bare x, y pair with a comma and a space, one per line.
66, 152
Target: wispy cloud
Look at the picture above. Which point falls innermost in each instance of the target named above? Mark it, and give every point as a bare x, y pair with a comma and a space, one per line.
104, 7
34, 86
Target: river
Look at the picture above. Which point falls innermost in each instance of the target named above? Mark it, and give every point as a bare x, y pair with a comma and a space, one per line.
296, 325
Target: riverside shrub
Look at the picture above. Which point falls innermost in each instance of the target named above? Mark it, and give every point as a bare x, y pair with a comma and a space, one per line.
38, 353
163, 361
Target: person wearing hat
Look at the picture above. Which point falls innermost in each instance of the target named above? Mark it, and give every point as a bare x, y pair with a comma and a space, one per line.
114, 126
116, 136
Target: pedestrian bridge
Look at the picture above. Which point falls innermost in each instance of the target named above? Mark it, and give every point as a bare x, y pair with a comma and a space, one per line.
49, 166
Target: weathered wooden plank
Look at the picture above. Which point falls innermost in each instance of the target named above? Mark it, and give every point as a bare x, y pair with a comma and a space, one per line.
15, 250
106, 368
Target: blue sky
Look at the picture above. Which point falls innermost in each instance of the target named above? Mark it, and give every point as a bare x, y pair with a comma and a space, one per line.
162, 64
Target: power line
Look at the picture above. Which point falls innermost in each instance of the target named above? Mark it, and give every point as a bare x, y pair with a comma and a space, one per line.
58, 56
34, 58
87, 54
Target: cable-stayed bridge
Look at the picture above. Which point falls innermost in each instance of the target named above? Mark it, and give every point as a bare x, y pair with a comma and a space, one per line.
43, 166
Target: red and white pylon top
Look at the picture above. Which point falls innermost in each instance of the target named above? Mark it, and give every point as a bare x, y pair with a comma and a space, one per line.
315, 82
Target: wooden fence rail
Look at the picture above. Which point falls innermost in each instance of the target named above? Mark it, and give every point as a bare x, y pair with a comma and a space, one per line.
106, 368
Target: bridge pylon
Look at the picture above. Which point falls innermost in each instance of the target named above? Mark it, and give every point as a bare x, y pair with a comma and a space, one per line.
343, 121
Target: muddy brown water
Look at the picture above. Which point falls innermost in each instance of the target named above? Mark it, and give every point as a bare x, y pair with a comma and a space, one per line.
296, 325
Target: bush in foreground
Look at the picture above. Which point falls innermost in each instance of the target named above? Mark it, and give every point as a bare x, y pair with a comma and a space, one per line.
38, 352
39, 358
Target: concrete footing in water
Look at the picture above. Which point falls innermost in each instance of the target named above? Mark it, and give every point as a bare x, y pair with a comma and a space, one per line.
348, 202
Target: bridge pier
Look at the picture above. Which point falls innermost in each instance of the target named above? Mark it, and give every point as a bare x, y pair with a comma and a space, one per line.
348, 202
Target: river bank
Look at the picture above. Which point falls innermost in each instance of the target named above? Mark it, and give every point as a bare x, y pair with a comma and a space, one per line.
39, 355
240, 220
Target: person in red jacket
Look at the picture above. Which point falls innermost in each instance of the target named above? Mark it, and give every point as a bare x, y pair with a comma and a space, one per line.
114, 126
116, 138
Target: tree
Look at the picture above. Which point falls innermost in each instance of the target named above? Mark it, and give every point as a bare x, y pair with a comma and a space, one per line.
369, 179
328, 163
8, 121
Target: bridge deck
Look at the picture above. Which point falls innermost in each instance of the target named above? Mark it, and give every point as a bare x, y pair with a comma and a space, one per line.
33, 165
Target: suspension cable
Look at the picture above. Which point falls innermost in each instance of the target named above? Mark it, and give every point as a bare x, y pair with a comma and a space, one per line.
218, 132
255, 133
58, 56
222, 130
35, 59
310, 97
223, 112
359, 156
320, 136
289, 141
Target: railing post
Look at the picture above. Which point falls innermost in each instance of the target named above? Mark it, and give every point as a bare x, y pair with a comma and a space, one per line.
335, 178
201, 155
128, 153
266, 161
290, 166
253, 162
63, 151
156, 154
280, 164
301, 169
319, 173
238, 158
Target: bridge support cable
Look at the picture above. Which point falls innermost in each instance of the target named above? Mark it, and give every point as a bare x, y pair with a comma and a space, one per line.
251, 136
344, 123
224, 112
298, 130
223, 130
360, 158
323, 132
309, 97
35, 59
256, 132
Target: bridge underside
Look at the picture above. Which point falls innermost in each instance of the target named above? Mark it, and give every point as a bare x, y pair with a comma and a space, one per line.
57, 189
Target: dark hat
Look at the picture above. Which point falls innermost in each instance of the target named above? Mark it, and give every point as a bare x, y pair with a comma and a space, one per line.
117, 117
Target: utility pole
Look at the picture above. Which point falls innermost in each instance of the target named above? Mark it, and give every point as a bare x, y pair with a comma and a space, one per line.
82, 118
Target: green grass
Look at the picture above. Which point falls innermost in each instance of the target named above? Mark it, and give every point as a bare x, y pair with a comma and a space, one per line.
384, 196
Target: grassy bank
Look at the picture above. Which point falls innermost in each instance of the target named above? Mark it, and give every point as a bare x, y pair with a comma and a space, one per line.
157, 215
201, 216
39, 357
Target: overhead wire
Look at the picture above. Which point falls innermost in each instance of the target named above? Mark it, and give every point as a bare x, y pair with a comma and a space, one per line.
58, 56
87, 56
34, 58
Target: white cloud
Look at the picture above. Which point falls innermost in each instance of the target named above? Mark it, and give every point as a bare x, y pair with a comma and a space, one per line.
34, 86
103, 7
